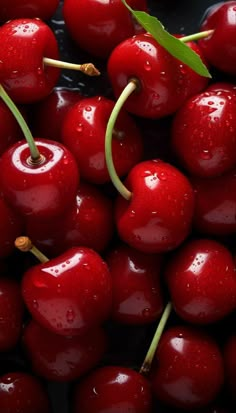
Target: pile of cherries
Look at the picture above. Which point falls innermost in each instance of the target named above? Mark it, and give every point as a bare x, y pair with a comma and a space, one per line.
78, 314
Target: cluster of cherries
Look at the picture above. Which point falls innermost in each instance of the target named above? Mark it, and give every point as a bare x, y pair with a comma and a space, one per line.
158, 254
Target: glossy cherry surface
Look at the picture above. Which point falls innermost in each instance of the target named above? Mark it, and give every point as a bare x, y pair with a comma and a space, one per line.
9, 129
58, 358
164, 82
159, 214
11, 226
189, 369
25, 42
230, 365
13, 9
202, 281
22, 393
84, 131
113, 389
137, 294
109, 23
219, 47
43, 189
70, 293
203, 133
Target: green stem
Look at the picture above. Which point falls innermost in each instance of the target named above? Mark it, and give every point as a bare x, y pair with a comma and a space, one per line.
34, 152
146, 366
196, 36
121, 188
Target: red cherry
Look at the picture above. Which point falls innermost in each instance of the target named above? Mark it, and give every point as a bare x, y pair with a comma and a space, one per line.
203, 133
44, 188
54, 106
159, 214
69, 294
163, 82
113, 389
189, 371
84, 131
230, 364
137, 295
215, 204
89, 222
11, 313
11, 226
22, 72
202, 282
12, 9
10, 131
22, 393
219, 47
58, 358
99, 26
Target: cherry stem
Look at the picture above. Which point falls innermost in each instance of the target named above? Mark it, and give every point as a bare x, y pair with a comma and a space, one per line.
128, 90
34, 152
86, 68
146, 366
24, 244
196, 36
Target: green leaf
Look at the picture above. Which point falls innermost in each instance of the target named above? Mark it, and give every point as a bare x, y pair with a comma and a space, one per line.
174, 46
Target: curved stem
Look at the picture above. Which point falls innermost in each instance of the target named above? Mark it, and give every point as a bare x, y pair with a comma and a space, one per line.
34, 152
196, 36
87, 68
146, 366
128, 90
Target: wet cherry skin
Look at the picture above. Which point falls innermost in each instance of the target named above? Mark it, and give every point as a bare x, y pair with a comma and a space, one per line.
25, 42
69, 294
219, 47
137, 294
203, 133
113, 389
58, 358
22, 393
230, 365
202, 281
44, 189
83, 133
164, 82
9, 129
109, 23
189, 370
11, 313
13, 9
159, 214
11, 226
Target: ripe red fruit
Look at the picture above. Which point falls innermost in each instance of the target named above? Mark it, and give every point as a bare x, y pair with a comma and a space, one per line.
11, 226
189, 369
69, 294
9, 129
230, 365
158, 216
202, 281
25, 42
13, 9
113, 388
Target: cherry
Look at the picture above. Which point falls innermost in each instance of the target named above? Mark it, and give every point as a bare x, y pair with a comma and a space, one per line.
113, 389
11, 226
22, 393
202, 282
12, 9
54, 106
58, 358
137, 295
203, 133
11, 313
109, 23
156, 215
161, 82
83, 133
88, 222
219, 47
69, 294
215, 204
230, 364
10, 131
189, 369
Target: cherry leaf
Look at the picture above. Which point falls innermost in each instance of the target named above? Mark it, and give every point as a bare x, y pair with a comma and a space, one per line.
174, 46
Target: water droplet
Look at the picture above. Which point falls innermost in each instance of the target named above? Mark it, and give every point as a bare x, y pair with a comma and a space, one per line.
79, 128
206, 155
146, 312
162, 176
88, 108
35, 304
147, 66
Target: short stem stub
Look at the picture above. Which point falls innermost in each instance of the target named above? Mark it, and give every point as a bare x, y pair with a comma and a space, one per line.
86, 68
24, 244
146, 366
34, 152
132, 86
196, 36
